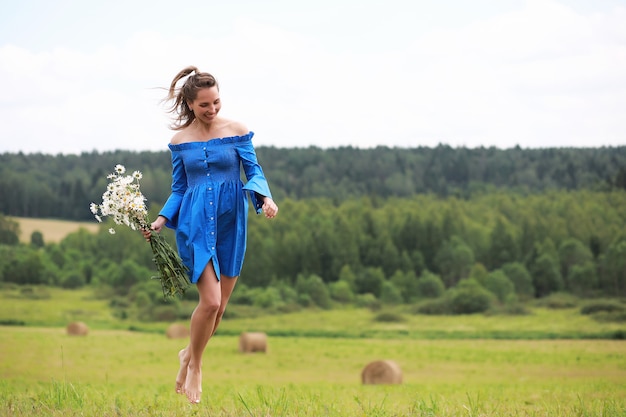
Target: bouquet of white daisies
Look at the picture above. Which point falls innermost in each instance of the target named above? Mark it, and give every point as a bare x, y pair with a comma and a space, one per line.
124, 202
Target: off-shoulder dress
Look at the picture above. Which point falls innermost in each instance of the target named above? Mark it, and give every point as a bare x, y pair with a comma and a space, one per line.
208, 204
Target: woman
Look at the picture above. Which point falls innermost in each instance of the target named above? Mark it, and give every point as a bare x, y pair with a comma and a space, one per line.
208, 208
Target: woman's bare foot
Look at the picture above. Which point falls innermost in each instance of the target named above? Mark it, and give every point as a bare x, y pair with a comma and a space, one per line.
193, 385
183, 358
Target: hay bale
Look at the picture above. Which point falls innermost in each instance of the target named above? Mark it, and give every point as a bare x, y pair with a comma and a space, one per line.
250, 342
77, 328
177, 331
382, 372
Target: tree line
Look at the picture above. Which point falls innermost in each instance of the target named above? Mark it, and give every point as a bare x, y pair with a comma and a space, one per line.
57, 186
445, 230
441, 254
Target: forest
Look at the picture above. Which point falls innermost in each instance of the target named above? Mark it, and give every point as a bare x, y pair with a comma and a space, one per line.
56, 186
443, 230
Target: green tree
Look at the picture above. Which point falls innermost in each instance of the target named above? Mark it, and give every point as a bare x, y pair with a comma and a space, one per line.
503, 248
24, 266
288, 294
546, 276
36, 239
613, 276
406, 283
267, 297
417, 260
370, 280
620, 178
479, 273
314, 288
258, 269
521, 279
347, 275
390, 294
73, 279
340, 291
127, 274
583, 279
499, 284
55, 254
430, 244
454, 261
430, 285
572, 252
5, 258
345, 250
9, 231
292, 247
469, 297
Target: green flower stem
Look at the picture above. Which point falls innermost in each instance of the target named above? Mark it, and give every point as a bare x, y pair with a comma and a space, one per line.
171, 271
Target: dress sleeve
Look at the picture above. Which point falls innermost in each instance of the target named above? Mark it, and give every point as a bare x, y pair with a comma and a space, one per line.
257, 185
179, 186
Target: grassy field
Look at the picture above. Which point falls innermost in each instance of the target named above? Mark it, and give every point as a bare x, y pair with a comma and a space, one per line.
53, 231
55, 307
116, 372
126, 373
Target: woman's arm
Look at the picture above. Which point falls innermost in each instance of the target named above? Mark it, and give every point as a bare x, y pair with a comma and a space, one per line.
179, 186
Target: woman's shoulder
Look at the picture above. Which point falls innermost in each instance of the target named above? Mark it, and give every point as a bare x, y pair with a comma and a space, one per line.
232, 132
234, 128
226, 129
179, 137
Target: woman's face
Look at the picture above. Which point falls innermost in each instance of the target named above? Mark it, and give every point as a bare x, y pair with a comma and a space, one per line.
206, 105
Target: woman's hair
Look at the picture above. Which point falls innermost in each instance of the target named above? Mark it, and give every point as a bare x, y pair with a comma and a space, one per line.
187, 92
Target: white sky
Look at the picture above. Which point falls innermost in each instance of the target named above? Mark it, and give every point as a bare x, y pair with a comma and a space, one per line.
77, 75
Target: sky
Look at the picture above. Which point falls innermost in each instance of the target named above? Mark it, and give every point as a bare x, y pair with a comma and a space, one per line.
79, 76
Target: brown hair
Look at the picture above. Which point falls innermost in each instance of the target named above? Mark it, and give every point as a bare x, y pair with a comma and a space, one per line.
188, 92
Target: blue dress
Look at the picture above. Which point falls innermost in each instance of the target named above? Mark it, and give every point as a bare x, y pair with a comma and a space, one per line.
208, 205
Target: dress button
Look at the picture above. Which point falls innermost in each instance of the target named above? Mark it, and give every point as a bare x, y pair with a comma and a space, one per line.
211, 218
210, 202
212, 247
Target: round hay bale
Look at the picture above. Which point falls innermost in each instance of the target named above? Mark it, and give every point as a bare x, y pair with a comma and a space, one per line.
177, 331
382, 372
77, 328
250, 342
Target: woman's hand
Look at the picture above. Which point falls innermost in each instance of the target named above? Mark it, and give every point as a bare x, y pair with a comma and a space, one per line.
156, 225
269, 208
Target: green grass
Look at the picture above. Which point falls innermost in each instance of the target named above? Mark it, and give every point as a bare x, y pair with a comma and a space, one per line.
127, 373
357, 323
60, 307
450, 366
51, 306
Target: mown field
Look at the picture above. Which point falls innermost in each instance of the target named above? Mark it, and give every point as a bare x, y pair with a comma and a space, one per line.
452, 366
53, 231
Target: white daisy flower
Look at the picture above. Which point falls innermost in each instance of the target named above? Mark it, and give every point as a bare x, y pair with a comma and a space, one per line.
124, 203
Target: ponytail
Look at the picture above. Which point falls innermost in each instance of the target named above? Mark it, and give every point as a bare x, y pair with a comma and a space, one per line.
188, 92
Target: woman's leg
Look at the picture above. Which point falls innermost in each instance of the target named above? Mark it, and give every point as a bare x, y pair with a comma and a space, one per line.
205, 319
201, 328
227, 286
